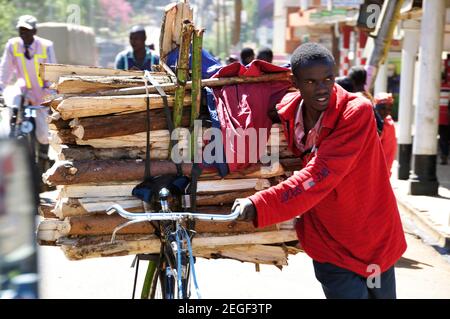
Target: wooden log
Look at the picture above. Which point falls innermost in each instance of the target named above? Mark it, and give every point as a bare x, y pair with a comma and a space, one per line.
68, 207
257, 254
99, 171
222, 199
87, 153
46, 210
137, 137
125, 189
52, 72
93, 84
63, 136
126, 124
56, 123
291, 164
197, 43
159, 139
182, 71
171, 27
91, 247
214, 82
104, 171
102, 224
82, 106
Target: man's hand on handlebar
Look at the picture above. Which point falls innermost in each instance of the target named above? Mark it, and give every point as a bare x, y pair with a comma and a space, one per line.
247, 211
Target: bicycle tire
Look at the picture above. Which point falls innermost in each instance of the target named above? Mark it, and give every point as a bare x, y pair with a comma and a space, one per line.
148, 281
163, 286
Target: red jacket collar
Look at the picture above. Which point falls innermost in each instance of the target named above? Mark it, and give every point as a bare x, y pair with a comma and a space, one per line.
339, 98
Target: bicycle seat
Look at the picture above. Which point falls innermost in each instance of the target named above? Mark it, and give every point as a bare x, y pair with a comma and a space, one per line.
150, 188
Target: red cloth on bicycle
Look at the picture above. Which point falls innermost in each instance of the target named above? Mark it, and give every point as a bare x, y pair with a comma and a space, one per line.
244, 106
349, 215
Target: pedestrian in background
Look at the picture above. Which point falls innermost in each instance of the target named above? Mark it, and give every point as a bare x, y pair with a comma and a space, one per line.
444, 131
265, 54
247, 56
358, 76
139, 56
383, 105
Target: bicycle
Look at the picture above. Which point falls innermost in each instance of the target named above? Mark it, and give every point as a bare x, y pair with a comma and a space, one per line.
168, 275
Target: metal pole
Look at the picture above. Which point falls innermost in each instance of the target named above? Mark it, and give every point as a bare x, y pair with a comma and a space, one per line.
386, 26
424, 181
405, 111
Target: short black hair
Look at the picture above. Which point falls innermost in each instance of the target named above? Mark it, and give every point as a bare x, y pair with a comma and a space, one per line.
346, 83
247, 53
308, 53
358, 75
265, 54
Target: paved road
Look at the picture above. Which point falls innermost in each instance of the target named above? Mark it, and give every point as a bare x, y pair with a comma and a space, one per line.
422, 273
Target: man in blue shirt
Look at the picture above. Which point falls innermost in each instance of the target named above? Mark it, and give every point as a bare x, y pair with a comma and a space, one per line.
139, 56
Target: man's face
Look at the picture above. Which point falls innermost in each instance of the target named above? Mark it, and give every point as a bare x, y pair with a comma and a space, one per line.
384, 109
137, 41
315, 83
27, 35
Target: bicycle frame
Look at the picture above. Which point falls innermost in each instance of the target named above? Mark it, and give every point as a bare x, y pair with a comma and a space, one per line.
171, 276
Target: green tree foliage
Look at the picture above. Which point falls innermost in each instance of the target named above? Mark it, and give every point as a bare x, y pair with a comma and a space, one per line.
7, 15
44, 11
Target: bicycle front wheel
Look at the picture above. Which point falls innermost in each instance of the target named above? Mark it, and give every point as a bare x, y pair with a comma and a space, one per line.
163, 285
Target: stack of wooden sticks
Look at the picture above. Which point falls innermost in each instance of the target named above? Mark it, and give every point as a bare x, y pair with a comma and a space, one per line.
98, 131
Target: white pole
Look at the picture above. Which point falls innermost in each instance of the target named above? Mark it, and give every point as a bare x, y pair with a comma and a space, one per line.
405, 112
279, 27
424, 180
381, 80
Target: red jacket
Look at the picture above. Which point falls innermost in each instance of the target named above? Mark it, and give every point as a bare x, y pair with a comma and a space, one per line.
389, 141
349, 215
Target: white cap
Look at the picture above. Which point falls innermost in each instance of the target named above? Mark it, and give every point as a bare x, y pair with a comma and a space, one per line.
27, 21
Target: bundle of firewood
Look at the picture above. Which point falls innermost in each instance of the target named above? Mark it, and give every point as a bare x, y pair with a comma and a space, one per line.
98, 131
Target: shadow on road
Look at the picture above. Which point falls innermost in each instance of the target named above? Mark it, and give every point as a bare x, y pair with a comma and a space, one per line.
411, 264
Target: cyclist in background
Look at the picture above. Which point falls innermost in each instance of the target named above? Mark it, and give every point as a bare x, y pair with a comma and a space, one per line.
21, 60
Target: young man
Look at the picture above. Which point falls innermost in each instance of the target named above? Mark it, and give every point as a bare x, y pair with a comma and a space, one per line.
21, 60
139, 56
348, 221
383, 105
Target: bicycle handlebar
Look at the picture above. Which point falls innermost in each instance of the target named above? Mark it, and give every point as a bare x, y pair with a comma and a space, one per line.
165, 214
170, 215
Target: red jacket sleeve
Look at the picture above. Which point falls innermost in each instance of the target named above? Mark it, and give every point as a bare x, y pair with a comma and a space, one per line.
333, 161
